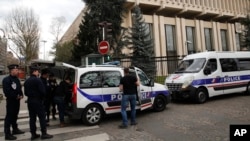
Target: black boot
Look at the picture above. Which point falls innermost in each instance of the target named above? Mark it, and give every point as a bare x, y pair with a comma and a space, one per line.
46, 136
34, 136
17, 131
10, 137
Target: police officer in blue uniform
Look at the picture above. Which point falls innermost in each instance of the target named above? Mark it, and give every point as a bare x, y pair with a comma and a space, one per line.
35, 91
13, 92
47, 102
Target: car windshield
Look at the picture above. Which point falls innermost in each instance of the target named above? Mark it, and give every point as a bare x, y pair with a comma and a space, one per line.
191, 65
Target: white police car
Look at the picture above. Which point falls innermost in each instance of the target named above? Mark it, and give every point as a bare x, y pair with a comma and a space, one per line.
96, 92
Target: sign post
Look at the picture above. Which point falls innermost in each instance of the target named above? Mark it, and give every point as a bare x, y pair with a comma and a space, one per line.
103, 47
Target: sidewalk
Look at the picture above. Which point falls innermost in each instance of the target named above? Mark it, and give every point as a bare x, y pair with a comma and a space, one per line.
23, 113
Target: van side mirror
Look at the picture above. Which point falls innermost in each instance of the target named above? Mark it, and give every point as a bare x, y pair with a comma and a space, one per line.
151, 83
207, 71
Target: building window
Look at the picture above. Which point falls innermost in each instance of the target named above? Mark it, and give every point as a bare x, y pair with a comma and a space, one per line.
171, 48
149, 29
208, 39
170, 40
190, 39
237, 40
224, 40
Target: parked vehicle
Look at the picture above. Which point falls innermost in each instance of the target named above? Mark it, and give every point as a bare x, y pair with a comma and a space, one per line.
207, 74
96, 92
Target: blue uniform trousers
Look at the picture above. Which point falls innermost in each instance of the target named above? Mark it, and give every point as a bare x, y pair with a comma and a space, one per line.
12, 107
36, 108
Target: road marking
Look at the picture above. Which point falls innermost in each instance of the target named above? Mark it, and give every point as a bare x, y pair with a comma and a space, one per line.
97, 137
22, 113
18, 120
56, 131
26, 126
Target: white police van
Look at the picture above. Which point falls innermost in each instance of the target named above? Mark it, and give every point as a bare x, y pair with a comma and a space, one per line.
207, 74
96, 92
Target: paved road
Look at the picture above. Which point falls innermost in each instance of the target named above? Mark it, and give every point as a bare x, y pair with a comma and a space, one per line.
183, 121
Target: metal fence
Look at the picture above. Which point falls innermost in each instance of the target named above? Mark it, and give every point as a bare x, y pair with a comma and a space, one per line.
164, 65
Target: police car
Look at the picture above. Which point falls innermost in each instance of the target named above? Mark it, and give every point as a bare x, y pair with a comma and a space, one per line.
96, 92
203, 75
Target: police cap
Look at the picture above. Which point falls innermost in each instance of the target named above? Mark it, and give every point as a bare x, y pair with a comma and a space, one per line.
13, 66
44, 71
33, 68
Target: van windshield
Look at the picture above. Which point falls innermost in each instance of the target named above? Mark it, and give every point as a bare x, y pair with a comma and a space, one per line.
191, 65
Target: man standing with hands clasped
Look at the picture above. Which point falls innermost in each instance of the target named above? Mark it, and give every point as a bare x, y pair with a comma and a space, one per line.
35, 91
128, 84
13, 92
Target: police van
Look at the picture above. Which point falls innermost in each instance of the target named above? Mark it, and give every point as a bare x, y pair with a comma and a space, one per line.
207, 74
96, 92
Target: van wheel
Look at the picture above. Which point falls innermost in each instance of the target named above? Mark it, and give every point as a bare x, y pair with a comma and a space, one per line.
159, 103
92, 114
201, 95
248, 89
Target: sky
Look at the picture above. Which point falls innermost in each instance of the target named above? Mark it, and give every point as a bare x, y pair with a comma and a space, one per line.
46, 10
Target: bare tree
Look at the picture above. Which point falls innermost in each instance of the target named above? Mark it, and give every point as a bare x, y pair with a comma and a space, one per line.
22, 26
56, 29
57, 26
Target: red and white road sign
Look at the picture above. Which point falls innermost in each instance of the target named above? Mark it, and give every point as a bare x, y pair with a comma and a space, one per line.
103, 47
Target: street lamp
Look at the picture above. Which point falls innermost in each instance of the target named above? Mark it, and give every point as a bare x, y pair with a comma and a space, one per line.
44, 41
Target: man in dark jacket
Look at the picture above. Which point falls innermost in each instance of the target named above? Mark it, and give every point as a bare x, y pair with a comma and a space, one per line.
35, 91
53, 85
62, 92
128, 84
13, 92
47, 102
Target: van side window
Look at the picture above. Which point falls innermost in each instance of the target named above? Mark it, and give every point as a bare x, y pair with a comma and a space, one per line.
244, 63
212, 64
111, 78
91, 80
228, 64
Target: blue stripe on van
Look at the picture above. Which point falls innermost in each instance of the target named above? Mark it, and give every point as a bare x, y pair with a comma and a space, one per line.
116, 97
220, 80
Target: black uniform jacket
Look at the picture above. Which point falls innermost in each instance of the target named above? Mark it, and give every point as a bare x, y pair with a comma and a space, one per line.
34, 88
12, 87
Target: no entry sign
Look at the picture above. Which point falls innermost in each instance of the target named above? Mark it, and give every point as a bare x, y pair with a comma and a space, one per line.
103, 47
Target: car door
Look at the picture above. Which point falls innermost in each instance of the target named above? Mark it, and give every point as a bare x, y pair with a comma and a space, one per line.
110, 90
214, 80
231, 77
144, 90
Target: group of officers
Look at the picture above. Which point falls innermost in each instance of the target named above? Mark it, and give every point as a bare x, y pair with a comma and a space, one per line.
40, 91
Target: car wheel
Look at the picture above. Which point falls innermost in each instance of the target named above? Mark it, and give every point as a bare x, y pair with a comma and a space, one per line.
92, 115
201, 95
159, 103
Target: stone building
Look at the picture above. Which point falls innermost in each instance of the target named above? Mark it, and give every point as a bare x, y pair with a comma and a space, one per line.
181, 27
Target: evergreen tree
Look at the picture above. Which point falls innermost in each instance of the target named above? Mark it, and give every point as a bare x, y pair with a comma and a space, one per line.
90, 33
142, 44
245, 38
63, 53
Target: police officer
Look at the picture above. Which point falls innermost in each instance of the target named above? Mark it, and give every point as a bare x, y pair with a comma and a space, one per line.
47, 102
13, 92
35, 91
53, 85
